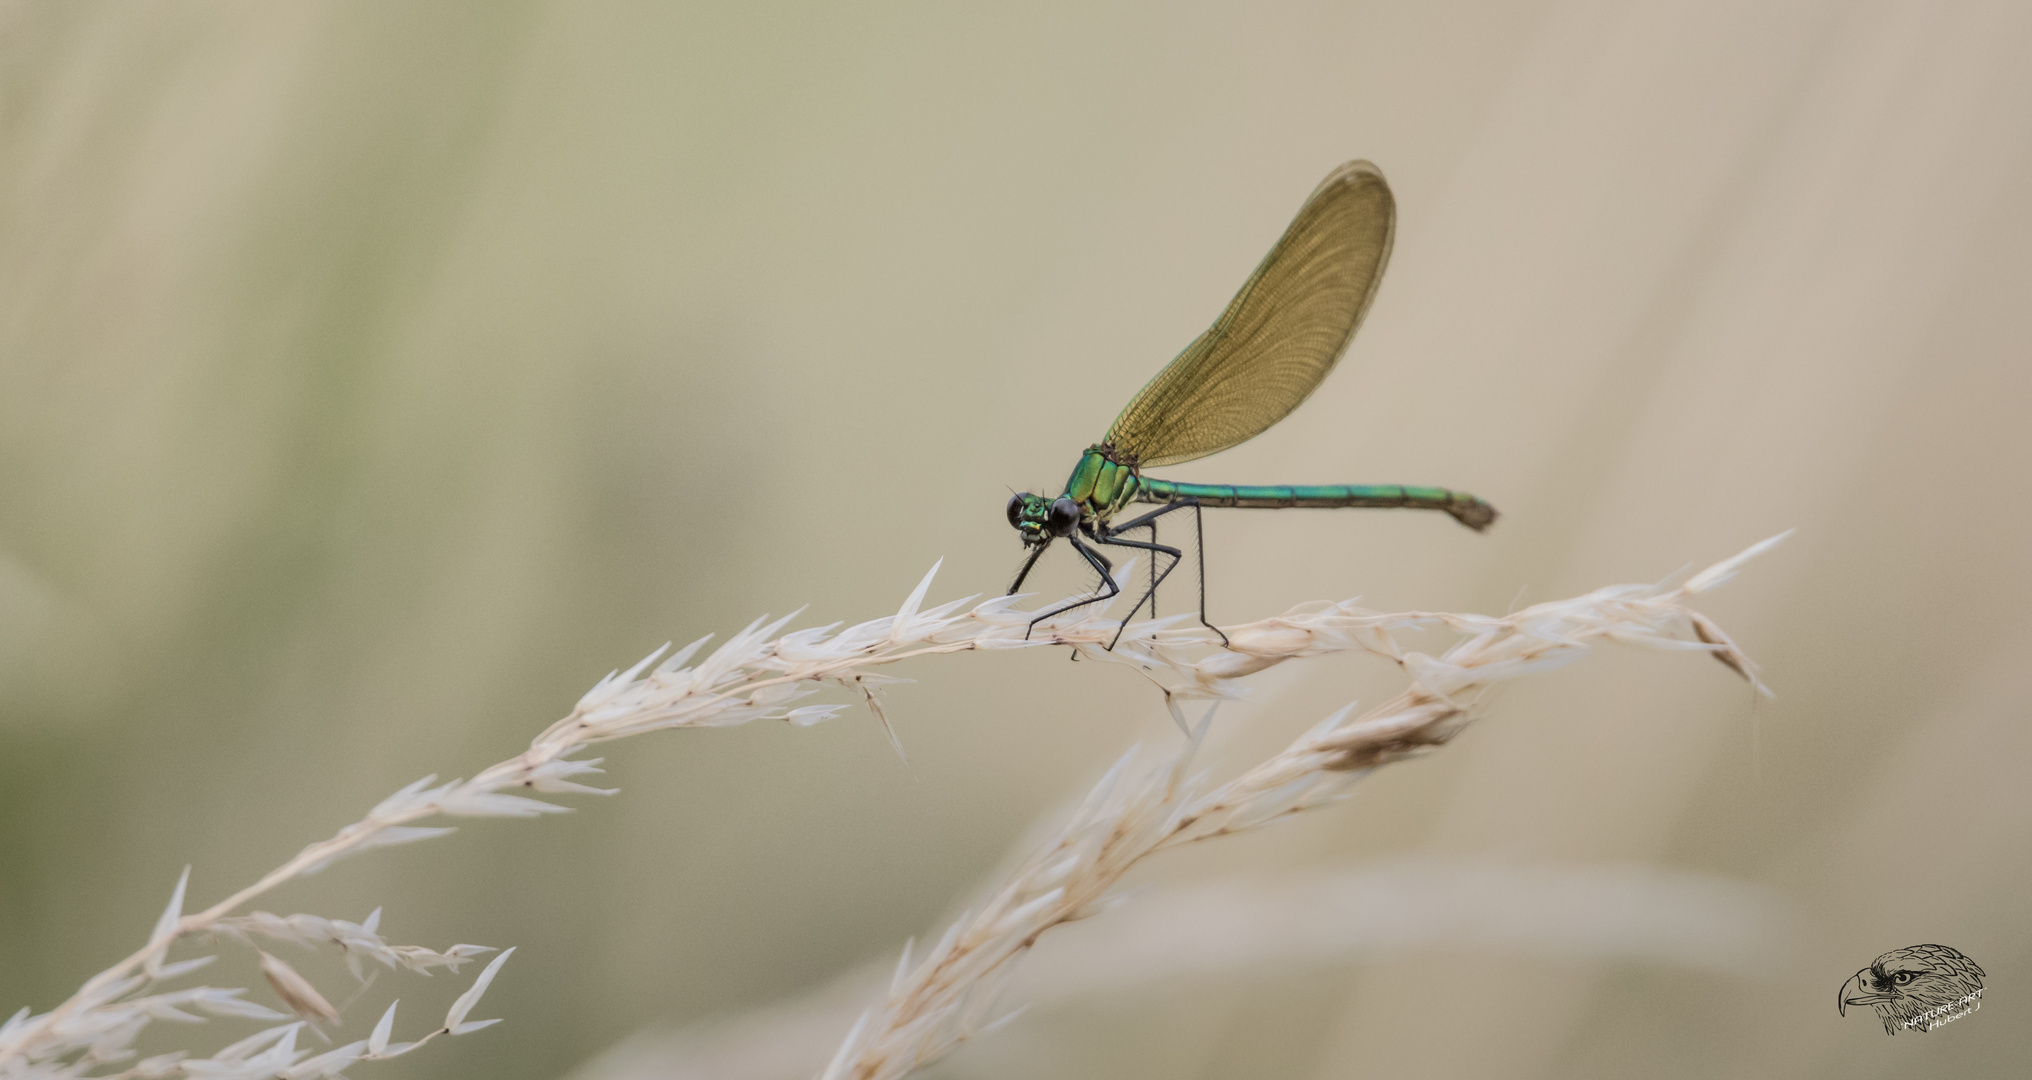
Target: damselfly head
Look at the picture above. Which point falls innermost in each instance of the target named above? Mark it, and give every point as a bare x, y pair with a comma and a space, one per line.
1041, 519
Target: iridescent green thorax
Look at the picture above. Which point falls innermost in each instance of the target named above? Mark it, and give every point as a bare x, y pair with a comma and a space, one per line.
1102, 483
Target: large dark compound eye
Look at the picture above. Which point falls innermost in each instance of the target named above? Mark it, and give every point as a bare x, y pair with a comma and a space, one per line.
1065, 514
1016, 502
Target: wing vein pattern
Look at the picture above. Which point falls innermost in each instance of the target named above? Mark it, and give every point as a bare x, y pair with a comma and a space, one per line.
1279, 336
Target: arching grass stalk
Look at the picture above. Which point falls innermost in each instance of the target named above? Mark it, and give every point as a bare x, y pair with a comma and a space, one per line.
758, 674
1140, 807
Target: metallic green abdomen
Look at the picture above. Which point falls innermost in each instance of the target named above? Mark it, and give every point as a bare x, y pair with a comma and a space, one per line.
1468, 510
1104, 487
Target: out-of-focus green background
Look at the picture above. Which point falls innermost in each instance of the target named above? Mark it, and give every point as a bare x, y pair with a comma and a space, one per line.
376, 376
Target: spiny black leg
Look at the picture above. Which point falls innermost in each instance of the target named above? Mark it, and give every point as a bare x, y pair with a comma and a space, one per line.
1152, 595
1035, 552
1111, 538
1137, 523
1199, 537
1099, 562
1107, 566
1199, 541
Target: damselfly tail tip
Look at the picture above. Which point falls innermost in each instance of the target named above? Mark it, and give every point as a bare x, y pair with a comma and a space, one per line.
1472, 512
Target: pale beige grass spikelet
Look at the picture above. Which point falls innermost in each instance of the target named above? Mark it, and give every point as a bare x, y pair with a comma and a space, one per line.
1138, 809
758, 674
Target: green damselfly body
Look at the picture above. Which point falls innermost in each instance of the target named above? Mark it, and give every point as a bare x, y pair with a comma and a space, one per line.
1270, 348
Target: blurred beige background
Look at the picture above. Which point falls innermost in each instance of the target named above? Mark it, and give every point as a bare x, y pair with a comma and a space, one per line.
376, 376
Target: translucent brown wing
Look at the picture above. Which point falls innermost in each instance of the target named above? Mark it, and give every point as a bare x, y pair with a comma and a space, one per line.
1279, 336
